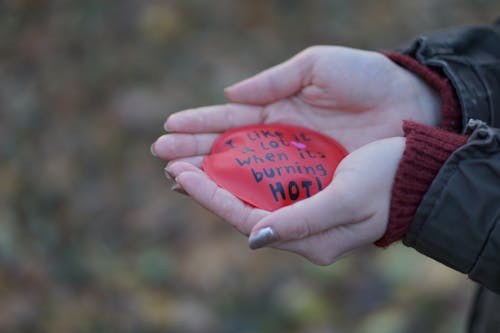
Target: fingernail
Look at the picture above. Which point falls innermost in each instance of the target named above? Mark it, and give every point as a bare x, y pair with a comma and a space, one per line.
168, 175
166, 123
170, 178
177, 188
174, 122
262, 237
153, 150
227, 89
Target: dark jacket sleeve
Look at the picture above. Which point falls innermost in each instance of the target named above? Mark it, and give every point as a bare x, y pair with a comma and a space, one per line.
470, 58
458, 220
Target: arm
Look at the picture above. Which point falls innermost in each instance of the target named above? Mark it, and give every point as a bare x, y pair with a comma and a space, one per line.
456, 220
324, 88
470, 58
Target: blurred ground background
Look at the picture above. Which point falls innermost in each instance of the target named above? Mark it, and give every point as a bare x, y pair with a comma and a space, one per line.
92, 239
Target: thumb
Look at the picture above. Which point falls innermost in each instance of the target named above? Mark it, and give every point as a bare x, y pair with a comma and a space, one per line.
324, 210
275, 83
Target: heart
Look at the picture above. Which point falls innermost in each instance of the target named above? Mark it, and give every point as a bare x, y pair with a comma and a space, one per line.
270, 166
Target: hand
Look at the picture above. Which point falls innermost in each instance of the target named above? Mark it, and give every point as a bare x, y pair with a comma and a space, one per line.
351, 95
354, 96
352, 211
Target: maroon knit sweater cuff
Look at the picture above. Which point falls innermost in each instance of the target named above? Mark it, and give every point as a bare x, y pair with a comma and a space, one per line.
427, 149
451, 117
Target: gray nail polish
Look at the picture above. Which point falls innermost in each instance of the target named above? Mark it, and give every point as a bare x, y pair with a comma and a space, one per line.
262, 238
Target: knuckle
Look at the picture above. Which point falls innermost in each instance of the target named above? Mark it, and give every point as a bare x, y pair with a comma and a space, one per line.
194, 143
301, 229
308, 55
246, 225
310, 50
313, 50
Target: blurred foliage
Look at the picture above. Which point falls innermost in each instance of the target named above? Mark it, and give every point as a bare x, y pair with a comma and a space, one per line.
91, 238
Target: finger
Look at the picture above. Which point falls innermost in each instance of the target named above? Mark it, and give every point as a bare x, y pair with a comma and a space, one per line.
219, 201
281, 81
173, 146
330, 245
216, 118
176, 167
331, 207
320, 249
196, 161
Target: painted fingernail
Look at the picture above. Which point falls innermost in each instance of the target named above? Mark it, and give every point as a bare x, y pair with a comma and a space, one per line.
153, 150
177, 188
168, 175
170, 178
262, 237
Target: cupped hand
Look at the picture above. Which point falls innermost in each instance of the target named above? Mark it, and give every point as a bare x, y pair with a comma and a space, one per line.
357, 97
351, 212
351, 95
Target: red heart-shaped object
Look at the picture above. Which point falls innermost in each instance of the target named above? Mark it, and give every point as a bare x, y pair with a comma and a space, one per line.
270, 166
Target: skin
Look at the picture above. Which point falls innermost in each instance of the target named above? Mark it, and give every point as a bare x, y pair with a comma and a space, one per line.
360, 98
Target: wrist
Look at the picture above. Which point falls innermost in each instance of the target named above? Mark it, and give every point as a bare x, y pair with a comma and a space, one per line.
427, 149
447, 113
427, 101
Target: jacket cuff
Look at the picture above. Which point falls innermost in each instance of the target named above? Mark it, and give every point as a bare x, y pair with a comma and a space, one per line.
427, 149
457, 222
451, 117
469, 57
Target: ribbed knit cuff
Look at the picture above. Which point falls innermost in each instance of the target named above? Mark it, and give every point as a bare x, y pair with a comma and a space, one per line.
451, 117
427, 149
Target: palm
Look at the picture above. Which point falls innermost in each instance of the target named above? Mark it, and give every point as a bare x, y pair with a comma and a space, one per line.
350, 212
353, 96
351, 128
